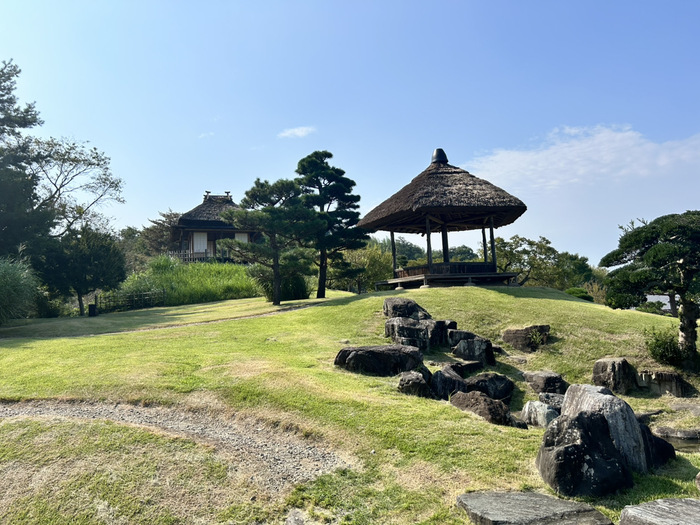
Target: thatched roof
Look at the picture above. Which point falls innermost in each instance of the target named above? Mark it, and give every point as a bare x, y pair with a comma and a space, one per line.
207, 216
447, 195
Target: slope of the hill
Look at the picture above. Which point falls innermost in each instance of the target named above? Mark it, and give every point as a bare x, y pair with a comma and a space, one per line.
410, 457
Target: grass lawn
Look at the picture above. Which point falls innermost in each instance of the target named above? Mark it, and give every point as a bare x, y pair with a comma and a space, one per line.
414, 455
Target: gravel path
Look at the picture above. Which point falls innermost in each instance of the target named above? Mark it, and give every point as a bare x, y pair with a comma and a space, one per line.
277, 459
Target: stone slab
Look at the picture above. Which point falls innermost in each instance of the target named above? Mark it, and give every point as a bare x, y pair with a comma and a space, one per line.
527, 508
662, 512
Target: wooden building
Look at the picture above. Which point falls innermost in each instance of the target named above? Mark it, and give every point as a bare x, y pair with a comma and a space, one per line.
443, 199
202, 227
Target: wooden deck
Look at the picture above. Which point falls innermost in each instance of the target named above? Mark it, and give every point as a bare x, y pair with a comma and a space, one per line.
447, 274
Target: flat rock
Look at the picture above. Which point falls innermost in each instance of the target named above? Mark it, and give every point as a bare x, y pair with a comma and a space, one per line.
386, 360
662, 512
546, 381
402, 307
527, 508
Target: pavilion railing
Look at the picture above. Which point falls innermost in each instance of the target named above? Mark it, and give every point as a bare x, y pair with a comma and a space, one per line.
453, 268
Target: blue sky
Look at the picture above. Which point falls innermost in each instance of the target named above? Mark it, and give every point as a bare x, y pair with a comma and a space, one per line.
588, 111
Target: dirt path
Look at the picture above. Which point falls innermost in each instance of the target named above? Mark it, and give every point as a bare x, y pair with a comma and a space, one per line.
276, 459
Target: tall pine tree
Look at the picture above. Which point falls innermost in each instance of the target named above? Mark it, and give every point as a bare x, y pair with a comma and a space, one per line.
327, 190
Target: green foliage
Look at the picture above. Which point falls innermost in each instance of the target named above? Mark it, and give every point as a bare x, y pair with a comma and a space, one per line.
652, 307
663, 347
19, 289
661, 256
376, 266
581, 293
405, 250
284, 222
192, 283
293, 285
326, 189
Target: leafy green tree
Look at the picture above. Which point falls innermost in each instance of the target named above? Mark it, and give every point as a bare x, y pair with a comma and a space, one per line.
372, 265
284, 222
19, 289
22, 220
532, 260
83, 261
660, 256
159, 237
406, 251
327, 190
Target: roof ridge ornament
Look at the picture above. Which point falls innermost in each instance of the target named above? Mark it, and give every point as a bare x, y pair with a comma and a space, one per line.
439, 156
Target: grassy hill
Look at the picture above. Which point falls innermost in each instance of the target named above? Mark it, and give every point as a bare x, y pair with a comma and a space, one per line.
414, 456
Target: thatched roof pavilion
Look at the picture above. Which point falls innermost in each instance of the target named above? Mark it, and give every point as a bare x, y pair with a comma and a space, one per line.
445, 198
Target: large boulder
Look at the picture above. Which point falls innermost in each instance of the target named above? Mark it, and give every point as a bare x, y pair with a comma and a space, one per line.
422, 334
546, 381
578, 457
615, 373
538, 414
662, 512
527, 339
491, 410
527, 508
661, 382
388, 360
416, 383
496, 386
475, 348
625, 430
450, 379
402, 307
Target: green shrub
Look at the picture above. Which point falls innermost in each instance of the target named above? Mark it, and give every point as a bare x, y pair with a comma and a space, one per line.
294, 285
19, 289
652, 307
581, 293
663, 346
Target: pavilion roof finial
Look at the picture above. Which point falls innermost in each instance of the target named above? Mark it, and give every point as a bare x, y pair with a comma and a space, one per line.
439, 156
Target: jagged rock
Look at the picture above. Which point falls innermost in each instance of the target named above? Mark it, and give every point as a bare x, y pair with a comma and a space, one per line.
416, 383
450, 378
491, 410
454, 336
625, 430
386, 360
546, 381
475, 349
527, 339
663, 382
527, 508
553, 400
538, 414
422, 334
578, 457
402, 307
496, 386
614, 373
662, 512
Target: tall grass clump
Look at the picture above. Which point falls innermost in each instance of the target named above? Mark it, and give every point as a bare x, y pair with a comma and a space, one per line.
192, 283
19, 289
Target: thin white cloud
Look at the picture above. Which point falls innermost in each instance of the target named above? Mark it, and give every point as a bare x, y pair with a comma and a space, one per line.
589, 156
296, 133
579, 184
206, 135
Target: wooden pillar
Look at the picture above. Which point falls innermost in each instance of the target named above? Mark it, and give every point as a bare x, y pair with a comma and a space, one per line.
483, 241
445, 247
430, 249
393, 251
493, 247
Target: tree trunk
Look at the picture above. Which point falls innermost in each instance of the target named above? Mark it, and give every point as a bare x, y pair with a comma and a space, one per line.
672, 304
81, 305
322, 274
276, 276
688, 314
